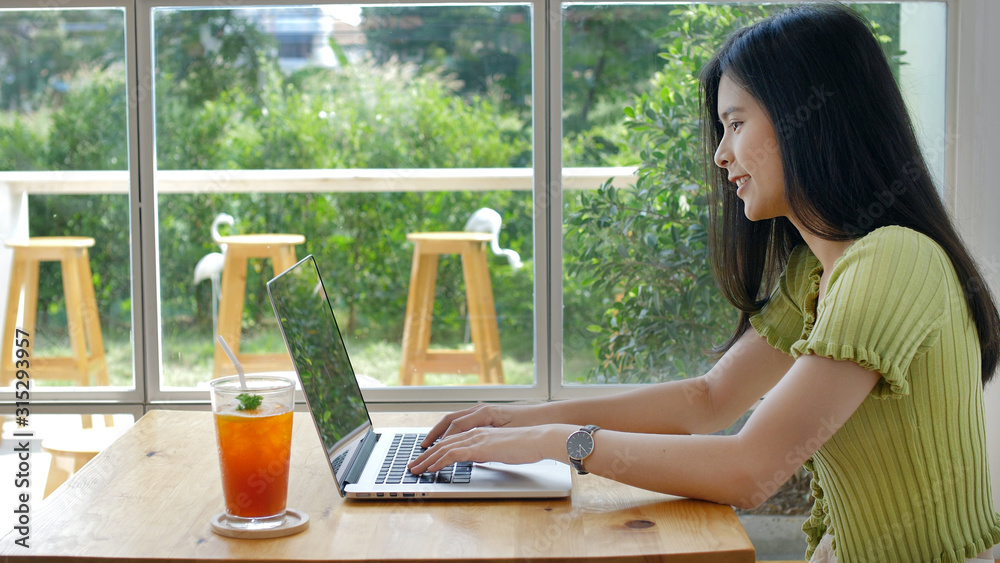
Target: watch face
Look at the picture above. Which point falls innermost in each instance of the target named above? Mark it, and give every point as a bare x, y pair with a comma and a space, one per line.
580, 444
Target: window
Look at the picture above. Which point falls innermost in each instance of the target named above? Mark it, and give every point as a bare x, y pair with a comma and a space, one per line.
355, 126
64, 154
250, 139
639, 303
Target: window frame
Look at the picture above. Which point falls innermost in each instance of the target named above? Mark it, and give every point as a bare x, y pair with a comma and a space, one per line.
559, 390
547, 194
55, 400
444, 397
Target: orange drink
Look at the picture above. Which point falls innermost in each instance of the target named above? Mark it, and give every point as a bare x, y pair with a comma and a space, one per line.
253, 428
254, 454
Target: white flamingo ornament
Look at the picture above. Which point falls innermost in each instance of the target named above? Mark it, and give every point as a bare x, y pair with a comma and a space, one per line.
486, 220
210, 266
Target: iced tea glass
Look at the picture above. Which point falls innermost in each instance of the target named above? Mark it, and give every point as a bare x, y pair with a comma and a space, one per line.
253, 428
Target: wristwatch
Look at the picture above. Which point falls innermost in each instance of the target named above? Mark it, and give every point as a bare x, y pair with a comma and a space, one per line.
579, 445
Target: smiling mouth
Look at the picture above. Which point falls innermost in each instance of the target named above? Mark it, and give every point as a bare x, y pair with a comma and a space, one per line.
741, 180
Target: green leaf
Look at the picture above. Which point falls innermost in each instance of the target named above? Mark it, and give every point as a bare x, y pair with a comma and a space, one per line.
248, 402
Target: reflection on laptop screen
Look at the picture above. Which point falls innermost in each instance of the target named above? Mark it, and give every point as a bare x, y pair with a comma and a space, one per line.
320, 357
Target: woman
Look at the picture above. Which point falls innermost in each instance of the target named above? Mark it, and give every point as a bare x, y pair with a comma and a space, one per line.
862, 318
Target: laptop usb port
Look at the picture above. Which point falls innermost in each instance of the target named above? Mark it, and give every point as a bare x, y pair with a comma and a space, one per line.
392, 494
380, 494
409, 495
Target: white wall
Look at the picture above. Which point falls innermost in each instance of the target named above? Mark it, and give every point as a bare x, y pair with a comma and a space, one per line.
976, 188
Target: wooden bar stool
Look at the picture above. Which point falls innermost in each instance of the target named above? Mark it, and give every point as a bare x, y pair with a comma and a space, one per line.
85, 338
70, 450
280, 248
485, 357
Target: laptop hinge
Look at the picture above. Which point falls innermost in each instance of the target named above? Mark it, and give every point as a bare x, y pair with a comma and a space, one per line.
364, 452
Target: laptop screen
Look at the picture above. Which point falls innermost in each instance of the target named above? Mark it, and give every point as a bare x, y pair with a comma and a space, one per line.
317, 349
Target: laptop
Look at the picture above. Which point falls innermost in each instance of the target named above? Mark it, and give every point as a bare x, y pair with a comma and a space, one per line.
370, 464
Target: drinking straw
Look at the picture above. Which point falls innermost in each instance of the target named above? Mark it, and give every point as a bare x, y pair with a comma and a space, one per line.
232, 358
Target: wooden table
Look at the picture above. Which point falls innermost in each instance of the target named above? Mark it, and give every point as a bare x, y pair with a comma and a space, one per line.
150, 496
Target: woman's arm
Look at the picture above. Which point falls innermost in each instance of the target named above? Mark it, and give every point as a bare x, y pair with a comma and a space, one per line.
803, 410
798, 416
700, 405
704, 404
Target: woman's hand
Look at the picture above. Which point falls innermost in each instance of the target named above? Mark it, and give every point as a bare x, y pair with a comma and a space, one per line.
482, 415
507, 445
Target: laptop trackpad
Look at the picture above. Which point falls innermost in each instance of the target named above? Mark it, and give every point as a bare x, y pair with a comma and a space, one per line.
528, 475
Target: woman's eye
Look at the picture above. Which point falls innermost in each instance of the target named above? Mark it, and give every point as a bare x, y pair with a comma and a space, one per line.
736, 125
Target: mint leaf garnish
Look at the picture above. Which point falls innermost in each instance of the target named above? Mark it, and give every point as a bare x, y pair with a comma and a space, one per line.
248, 402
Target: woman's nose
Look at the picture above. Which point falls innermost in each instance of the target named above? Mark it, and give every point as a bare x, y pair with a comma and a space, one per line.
722, 156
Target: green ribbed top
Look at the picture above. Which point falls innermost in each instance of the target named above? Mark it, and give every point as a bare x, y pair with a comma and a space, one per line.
907, 477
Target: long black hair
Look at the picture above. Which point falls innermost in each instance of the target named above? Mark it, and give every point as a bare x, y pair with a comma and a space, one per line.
850, 157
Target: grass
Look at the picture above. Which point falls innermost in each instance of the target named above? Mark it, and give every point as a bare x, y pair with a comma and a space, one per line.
188, 358
190, 363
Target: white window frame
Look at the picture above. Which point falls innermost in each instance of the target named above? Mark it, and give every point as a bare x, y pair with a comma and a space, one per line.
968, 201
124, 400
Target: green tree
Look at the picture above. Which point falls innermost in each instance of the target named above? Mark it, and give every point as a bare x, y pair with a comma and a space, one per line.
89, 129
41, 49
22, 143
360, 116
609, 53
648, 244
202, 53
487, 47
644, 248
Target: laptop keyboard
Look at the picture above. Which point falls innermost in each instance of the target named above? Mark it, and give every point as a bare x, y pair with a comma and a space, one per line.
404, 449
338, 462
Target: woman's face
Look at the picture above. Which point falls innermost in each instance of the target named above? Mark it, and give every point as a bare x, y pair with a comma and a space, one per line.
749, 153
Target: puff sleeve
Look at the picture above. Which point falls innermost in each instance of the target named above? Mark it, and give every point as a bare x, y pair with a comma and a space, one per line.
784, 317
884, 305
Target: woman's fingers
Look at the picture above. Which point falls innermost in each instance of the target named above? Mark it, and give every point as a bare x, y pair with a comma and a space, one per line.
481, 444
444, 426
461, 421
477, 416
438, 429
450, 450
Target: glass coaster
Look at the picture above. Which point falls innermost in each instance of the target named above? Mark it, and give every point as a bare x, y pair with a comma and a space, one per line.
295, 522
